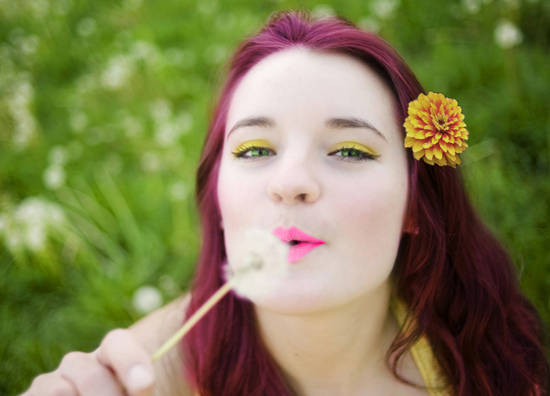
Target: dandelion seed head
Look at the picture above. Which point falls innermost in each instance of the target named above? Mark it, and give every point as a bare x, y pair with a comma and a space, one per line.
258, 264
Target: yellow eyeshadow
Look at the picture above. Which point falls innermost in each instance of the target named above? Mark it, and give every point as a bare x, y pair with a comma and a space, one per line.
253, 143
353, 145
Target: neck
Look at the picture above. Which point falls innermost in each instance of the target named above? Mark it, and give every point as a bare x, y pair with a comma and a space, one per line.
337, 350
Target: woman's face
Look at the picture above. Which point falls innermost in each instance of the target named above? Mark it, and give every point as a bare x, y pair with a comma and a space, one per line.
342, 181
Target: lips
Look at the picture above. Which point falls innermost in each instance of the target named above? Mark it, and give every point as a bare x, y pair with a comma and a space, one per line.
300, 242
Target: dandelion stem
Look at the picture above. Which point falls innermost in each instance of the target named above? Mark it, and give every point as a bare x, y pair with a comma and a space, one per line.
199, 313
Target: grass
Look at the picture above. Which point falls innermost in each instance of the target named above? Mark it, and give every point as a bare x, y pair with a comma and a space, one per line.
104, 106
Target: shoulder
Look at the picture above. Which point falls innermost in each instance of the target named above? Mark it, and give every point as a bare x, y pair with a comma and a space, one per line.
152, 331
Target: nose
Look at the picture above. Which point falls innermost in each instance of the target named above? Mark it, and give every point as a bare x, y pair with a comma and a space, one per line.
294, 183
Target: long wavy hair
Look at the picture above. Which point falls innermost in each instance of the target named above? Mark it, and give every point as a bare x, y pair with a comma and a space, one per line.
457, 280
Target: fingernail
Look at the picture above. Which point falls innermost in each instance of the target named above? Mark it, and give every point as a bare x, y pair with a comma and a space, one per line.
139, 377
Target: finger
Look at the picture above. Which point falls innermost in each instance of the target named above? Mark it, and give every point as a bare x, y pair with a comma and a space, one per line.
49, 385
120, 351
88, 376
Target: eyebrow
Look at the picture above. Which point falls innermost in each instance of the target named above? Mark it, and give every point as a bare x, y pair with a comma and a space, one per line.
335, 123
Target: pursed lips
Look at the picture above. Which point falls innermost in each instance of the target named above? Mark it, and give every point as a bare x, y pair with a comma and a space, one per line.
300, 242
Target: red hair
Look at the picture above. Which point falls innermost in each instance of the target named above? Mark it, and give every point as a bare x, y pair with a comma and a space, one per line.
455, 277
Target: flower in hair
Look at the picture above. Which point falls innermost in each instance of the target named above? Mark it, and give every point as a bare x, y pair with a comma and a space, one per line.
436, 130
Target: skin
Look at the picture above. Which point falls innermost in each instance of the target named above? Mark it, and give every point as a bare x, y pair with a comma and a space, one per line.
328, 325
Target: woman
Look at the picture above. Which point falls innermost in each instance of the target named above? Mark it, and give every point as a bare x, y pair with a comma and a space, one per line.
406, 291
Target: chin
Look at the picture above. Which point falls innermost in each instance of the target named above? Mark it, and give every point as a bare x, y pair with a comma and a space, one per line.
309, 299
295, 304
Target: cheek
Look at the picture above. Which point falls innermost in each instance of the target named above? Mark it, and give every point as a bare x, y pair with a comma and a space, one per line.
373, 217
238, 200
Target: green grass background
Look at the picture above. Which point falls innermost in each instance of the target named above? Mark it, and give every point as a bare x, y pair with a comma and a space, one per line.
103, 110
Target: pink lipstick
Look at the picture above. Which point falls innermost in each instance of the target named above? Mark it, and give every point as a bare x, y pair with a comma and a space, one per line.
300, 242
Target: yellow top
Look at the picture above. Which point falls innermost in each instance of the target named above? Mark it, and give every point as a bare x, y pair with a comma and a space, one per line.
422, 354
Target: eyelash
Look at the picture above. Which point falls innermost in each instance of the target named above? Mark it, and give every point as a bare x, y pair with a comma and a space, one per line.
363, 156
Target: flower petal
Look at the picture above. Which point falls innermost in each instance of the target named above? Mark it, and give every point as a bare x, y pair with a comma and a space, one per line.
435, 129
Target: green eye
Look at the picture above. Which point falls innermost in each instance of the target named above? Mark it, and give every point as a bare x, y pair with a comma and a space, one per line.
253, 152
353, 154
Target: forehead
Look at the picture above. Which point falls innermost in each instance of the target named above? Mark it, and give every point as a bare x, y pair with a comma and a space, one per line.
300, 86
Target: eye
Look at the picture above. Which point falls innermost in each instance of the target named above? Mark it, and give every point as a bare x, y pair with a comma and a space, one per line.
252, 152
353, 154
348, 152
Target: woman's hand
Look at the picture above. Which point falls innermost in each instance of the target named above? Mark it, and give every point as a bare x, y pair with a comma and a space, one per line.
119, 366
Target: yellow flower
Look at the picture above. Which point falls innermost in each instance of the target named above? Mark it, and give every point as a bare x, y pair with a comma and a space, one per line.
436, 130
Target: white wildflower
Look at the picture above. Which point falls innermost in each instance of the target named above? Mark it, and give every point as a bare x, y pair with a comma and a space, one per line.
322, 11
472, 6
118, 71
143, 50
25, 128
86, 27
384, 9
175, 56
132, 126
78, 121
161, 110
61, 7
258, 264
14, 241
58, 155
36, 210
215, 53
168, 284
369, 24
54, 176
178, 191
84, 84
151, 162
29, 45
146, 299
39, 8
166, 134
19, 106
507, 34
184, 121
35, 238
31, 221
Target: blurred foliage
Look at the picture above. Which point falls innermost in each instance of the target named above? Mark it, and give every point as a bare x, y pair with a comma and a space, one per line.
103, 109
